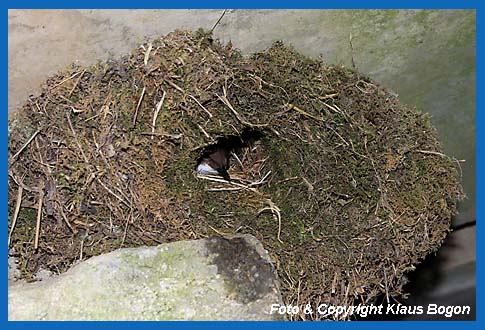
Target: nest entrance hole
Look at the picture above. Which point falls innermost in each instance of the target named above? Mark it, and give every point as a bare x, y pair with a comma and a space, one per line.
217, 158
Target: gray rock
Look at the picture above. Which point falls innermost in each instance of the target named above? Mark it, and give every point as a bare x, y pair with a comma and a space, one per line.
13, 271
211, 279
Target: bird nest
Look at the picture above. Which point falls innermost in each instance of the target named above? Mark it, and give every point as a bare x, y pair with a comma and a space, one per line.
347, 188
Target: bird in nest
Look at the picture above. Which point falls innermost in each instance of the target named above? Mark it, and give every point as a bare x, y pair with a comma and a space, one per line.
215, 158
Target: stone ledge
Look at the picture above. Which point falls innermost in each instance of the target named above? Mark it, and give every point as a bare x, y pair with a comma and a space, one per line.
211, 279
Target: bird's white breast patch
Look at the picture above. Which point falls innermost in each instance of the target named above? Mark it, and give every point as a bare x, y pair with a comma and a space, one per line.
203, 168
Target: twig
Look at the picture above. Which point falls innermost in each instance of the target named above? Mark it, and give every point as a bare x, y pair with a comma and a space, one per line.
260, 80
64, 80
75, 138
385, 283
200, 105
308, 184
215, 25
432, 153
41, 160
233, 154
124, 233
302, 112
112, 193
459, 166
334, 108
224, 100
76, 83
214, 178
64, 217
288, 179
204, 132
352, 51
25, 144
227, 189
16, 213
366, 84
218, 231
19, 182
328, 96
171, 136
276, 212
147, 53
238, 187
340, 136
261, 181
157, 110
77, 111
138, 106
39, 215
82, 248
174, 85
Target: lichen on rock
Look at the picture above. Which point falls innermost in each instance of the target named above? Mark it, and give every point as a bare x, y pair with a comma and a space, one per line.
174, 281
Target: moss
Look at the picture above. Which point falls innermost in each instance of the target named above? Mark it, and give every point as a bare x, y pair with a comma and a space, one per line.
346, 177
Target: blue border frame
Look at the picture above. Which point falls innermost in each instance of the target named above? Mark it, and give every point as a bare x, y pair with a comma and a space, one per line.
302, 4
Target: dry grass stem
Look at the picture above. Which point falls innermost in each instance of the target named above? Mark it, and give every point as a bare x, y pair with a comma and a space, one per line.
147, 53
276, 212
328, 96
386, 287
16, 213
218, 21
76, 83
135, 116
66, 79
39, 216
429, 152
239, 186
113, 194
200, 105
204, 132
224, 100
301, 111
76, 139
25, 144
171, 83
157, 110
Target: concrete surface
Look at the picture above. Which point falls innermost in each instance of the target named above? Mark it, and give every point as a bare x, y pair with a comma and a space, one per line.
208, 279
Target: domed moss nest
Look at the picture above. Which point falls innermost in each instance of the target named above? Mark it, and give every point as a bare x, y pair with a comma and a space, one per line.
346, 187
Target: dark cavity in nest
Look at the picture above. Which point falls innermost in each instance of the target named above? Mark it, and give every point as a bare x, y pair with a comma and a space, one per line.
218, 156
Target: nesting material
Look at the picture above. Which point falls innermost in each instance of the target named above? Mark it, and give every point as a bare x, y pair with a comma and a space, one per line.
347, 188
